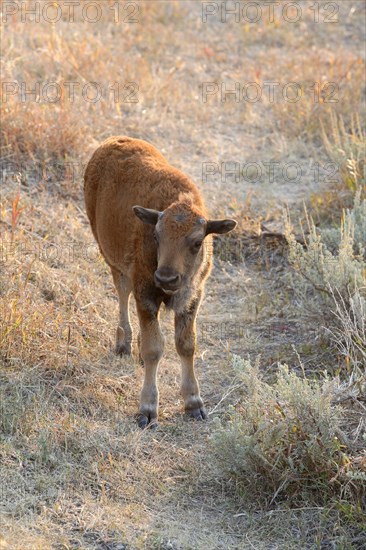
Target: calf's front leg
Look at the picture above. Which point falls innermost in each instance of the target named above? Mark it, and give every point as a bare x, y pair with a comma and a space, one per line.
185, 342
151, 350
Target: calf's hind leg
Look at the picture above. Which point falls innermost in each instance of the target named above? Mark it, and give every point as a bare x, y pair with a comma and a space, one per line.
124, 332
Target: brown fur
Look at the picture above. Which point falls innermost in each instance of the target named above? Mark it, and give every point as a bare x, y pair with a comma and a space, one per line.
123, 173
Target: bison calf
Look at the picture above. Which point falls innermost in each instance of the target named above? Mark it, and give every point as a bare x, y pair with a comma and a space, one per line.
152, 228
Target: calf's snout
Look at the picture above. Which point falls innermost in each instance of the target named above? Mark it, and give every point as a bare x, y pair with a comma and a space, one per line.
167, 279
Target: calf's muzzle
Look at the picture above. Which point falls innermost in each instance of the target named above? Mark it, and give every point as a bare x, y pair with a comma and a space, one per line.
167, 279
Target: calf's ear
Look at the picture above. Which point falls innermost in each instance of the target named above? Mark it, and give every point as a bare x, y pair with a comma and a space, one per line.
146, 215
220, 226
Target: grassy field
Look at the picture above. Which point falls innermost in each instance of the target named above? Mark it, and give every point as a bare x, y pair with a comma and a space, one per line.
76, 473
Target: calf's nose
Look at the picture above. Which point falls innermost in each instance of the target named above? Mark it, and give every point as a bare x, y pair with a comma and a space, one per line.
165, 280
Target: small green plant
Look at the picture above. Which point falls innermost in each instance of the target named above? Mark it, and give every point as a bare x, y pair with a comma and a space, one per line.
284, 441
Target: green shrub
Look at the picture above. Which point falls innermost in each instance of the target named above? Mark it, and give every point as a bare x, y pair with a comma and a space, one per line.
316, 268
284, 441
328, 278
345, 145
349, 332
354, 224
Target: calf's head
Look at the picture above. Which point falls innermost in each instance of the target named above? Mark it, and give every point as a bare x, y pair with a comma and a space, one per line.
179, 233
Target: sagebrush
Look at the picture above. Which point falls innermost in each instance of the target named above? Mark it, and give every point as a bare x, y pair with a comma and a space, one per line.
284, 442
328, 278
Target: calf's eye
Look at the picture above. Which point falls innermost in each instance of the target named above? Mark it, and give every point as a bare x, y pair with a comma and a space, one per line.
197, 245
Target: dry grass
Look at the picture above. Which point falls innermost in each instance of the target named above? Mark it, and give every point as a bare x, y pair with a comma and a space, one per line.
75, 472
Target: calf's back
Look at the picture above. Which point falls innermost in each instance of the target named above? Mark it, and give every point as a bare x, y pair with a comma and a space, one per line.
121, 173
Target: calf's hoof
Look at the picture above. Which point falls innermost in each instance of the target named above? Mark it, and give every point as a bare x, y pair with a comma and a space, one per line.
197, 414
122, 349
144, 422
